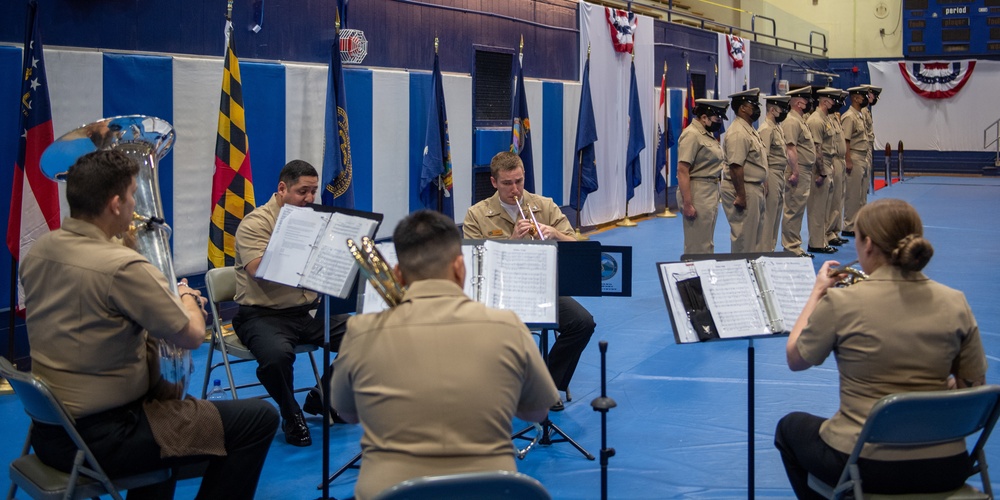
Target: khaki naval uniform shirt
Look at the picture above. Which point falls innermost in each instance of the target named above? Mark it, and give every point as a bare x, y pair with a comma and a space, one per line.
697, 147
90, 303
773, 138
821, 127
251, 240
929, 333
489, 220
432, 397
855, 131
796, 132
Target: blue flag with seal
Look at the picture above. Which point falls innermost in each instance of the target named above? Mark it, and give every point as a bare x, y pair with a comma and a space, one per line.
636, 140
436, 176
338, 190
520, 140
585, 164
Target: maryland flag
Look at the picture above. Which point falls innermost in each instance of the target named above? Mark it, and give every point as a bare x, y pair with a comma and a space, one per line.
232, 186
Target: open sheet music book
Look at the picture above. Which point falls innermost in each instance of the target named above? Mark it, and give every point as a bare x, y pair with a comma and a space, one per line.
509, 275
735, 298
308, 248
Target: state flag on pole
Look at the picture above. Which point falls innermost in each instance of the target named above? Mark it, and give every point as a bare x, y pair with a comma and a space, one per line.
664, 138
636, 140
337, 185
520, 140
34, 201
688, 103
585, 164
232, 184
436, 176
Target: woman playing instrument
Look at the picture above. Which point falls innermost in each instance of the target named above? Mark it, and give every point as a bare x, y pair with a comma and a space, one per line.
896, 331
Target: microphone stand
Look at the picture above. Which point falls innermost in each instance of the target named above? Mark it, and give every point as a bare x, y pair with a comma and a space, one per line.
604, 404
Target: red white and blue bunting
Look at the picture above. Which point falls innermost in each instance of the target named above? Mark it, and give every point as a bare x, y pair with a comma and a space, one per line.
736, 49
622, 25
936, 80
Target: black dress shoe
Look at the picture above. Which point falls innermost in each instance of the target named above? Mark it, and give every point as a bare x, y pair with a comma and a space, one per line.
558, 406
836, 242
296, 431
847, 233
826, 249
314, 406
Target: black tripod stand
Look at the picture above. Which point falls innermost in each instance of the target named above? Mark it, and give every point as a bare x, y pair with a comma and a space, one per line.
547, 427
604, 404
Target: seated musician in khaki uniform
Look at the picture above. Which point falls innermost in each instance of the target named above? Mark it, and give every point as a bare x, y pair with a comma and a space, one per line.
94, 311
498, 217
436, 380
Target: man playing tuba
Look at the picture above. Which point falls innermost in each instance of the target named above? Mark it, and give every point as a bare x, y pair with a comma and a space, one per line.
93, 308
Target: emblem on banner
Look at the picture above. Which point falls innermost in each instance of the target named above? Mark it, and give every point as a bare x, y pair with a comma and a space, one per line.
937, 80
622, 25
737, 49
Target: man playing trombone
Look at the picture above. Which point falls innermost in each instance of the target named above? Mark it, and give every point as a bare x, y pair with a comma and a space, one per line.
513, 213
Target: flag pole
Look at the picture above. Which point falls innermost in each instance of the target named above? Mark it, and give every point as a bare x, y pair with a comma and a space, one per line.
666, 213
579, 184
626, 222
440, 177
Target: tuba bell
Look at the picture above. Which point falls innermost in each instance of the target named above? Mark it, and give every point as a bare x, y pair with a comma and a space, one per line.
145, 140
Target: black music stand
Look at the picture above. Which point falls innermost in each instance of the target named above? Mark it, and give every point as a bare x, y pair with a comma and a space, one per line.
750, 349
579, 275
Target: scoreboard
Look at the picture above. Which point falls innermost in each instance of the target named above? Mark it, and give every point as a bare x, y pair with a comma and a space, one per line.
952, 28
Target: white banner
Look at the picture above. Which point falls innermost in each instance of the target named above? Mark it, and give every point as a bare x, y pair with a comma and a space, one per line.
953, 124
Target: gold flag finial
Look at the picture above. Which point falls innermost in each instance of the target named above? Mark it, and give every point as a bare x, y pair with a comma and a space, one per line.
688, 64
588, 50
336, 23
716, 69
435, 45
664, 67
520, 49
775, 72
229, 10
633, 53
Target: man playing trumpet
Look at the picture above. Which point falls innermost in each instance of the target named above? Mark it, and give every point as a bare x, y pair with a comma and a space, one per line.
499, 217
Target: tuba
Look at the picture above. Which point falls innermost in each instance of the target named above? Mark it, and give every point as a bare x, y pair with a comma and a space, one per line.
144, 139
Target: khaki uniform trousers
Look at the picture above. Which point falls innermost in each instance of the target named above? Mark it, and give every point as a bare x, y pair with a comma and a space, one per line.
699, 233
773, 208
856, 185
868, 179
744, 225
818, 207
836, 222
795, 208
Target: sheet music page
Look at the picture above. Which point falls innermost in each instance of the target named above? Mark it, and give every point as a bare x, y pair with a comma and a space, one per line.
373, 302
792, 280
469, 255
521, 277
731, 297
331, 268
670, 274
290, 245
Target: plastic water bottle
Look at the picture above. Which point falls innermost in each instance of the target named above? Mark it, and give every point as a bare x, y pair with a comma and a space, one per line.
217, 394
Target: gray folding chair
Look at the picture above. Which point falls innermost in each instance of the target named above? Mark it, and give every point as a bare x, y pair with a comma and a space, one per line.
86, 479
221, 284
492, 485
920, 419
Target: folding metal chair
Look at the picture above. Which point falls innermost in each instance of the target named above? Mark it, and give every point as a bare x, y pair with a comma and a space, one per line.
221, 284
492, 485
86, 479
924, 418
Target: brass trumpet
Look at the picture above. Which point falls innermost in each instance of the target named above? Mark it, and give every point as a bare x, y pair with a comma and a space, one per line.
535, 230
376, 270
853, 275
